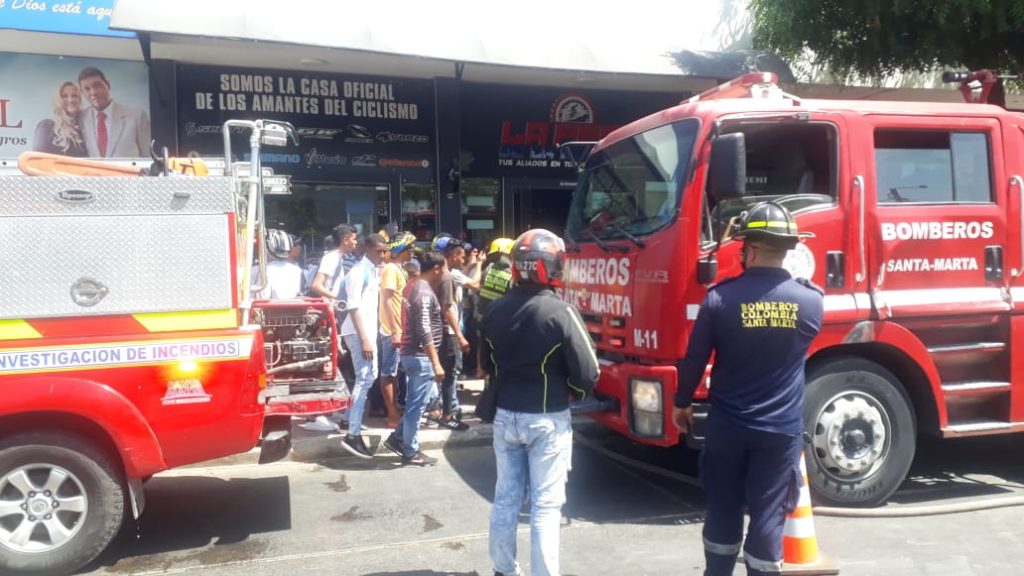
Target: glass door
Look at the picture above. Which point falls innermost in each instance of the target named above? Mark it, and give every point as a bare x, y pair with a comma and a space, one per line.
481, 214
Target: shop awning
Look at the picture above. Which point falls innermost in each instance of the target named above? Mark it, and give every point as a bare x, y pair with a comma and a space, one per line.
640, 37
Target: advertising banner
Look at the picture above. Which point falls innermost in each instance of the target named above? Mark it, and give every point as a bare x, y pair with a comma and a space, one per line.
516, 132
89, 17
55, 104
350, 127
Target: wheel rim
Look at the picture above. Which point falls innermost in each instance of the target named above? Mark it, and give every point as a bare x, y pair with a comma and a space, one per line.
851, 436
42, 507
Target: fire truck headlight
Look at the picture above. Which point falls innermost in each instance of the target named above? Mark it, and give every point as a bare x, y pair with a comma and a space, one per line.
647, 416
646, 395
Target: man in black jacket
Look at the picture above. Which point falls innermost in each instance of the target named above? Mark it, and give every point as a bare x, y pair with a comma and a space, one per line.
541, 355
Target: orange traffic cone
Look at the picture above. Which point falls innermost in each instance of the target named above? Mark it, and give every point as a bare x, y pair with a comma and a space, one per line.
800, 553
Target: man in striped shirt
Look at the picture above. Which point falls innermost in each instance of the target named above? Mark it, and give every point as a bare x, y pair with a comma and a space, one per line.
421, 338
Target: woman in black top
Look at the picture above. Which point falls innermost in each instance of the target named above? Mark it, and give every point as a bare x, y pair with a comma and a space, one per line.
60, 134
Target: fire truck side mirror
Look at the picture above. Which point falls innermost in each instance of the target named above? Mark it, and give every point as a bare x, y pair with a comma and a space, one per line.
707, 269
727, 174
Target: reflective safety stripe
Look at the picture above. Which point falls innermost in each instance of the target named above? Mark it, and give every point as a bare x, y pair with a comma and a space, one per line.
768, 224
932, 296
17, 330
799, 527
722, 549
543, 371
583, 332
182, 321
762, 565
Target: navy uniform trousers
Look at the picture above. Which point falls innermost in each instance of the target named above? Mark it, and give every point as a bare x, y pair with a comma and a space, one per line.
741, 467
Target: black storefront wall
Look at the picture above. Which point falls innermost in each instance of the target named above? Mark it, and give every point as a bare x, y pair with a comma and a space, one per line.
514, 132
509, 141
353, 130
348, 126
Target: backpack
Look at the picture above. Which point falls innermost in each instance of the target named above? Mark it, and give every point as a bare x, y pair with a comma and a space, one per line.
337, 270
340, 315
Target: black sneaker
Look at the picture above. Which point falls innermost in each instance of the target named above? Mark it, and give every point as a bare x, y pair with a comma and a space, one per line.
356, 446
454, 423
418, 459
393, 443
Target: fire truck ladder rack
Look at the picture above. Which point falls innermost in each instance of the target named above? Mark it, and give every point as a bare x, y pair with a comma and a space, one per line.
214, 166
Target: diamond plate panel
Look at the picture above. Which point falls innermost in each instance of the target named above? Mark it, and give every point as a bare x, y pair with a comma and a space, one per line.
64, 195
148, 264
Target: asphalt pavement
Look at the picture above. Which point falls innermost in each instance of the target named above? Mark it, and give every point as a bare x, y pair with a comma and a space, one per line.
333, 514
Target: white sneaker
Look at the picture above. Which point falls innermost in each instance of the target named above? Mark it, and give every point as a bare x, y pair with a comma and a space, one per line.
319, 424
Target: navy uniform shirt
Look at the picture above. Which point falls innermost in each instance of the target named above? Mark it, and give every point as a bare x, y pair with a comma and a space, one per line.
759, 325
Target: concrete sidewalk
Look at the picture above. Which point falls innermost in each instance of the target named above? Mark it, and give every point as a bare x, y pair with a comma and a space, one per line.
310, 446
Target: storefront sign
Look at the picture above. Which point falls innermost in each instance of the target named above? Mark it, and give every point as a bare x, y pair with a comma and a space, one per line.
519, 131
52, 106
89, 17
347, 125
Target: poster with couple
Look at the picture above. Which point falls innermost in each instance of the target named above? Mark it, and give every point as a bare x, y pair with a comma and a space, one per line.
82, 107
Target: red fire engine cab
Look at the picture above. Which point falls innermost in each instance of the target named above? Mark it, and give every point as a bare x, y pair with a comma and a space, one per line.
917, 211
127, 345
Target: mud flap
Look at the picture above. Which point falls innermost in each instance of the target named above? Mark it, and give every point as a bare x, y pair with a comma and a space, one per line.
276, 442
136, 496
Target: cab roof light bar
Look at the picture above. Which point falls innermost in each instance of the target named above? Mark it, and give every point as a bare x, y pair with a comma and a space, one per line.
763, 85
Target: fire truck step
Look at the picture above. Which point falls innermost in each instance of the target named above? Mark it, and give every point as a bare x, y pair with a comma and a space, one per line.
970, 426
974, 387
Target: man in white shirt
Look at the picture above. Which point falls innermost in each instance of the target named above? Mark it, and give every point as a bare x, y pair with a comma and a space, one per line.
362, 297
332, 265
284, 277
326, 283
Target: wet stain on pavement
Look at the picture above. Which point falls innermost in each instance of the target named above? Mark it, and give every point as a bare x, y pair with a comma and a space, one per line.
340, 486
212, 555
219, 554
351, 515
430, 523
454, 545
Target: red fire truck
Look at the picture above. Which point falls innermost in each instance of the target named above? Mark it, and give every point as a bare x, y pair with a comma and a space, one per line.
917, 211
126, 346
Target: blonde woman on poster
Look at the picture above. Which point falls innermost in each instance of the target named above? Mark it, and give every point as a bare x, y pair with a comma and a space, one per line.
61, 134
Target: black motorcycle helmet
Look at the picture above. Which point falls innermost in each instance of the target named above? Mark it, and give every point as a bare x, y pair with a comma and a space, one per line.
769, 222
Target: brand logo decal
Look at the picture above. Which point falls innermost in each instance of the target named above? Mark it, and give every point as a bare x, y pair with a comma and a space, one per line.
188, 391
75, 196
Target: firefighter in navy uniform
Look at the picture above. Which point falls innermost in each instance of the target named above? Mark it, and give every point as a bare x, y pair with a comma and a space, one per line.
759, 325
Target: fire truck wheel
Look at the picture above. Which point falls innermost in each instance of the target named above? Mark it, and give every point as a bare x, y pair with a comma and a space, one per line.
861, 430
61, 503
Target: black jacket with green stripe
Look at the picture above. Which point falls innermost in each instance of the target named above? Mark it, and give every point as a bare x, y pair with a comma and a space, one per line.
539, 351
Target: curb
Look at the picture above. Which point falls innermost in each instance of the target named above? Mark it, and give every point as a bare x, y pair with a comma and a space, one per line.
311, 447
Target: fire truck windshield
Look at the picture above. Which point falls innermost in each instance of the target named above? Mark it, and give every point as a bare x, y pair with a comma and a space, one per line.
633, 187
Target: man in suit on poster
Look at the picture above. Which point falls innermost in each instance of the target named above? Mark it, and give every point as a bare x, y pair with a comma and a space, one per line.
110, 130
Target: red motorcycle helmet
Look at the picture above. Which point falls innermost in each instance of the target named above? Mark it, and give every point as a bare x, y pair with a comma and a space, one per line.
538, 257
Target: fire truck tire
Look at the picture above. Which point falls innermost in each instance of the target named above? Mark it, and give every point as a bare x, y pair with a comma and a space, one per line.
61, 503
861, 432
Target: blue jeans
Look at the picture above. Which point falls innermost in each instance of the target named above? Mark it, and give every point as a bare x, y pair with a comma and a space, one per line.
366, 373
388, 354
531, 450
419, 389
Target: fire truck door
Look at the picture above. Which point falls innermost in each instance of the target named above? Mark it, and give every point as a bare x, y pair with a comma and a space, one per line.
939, 231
